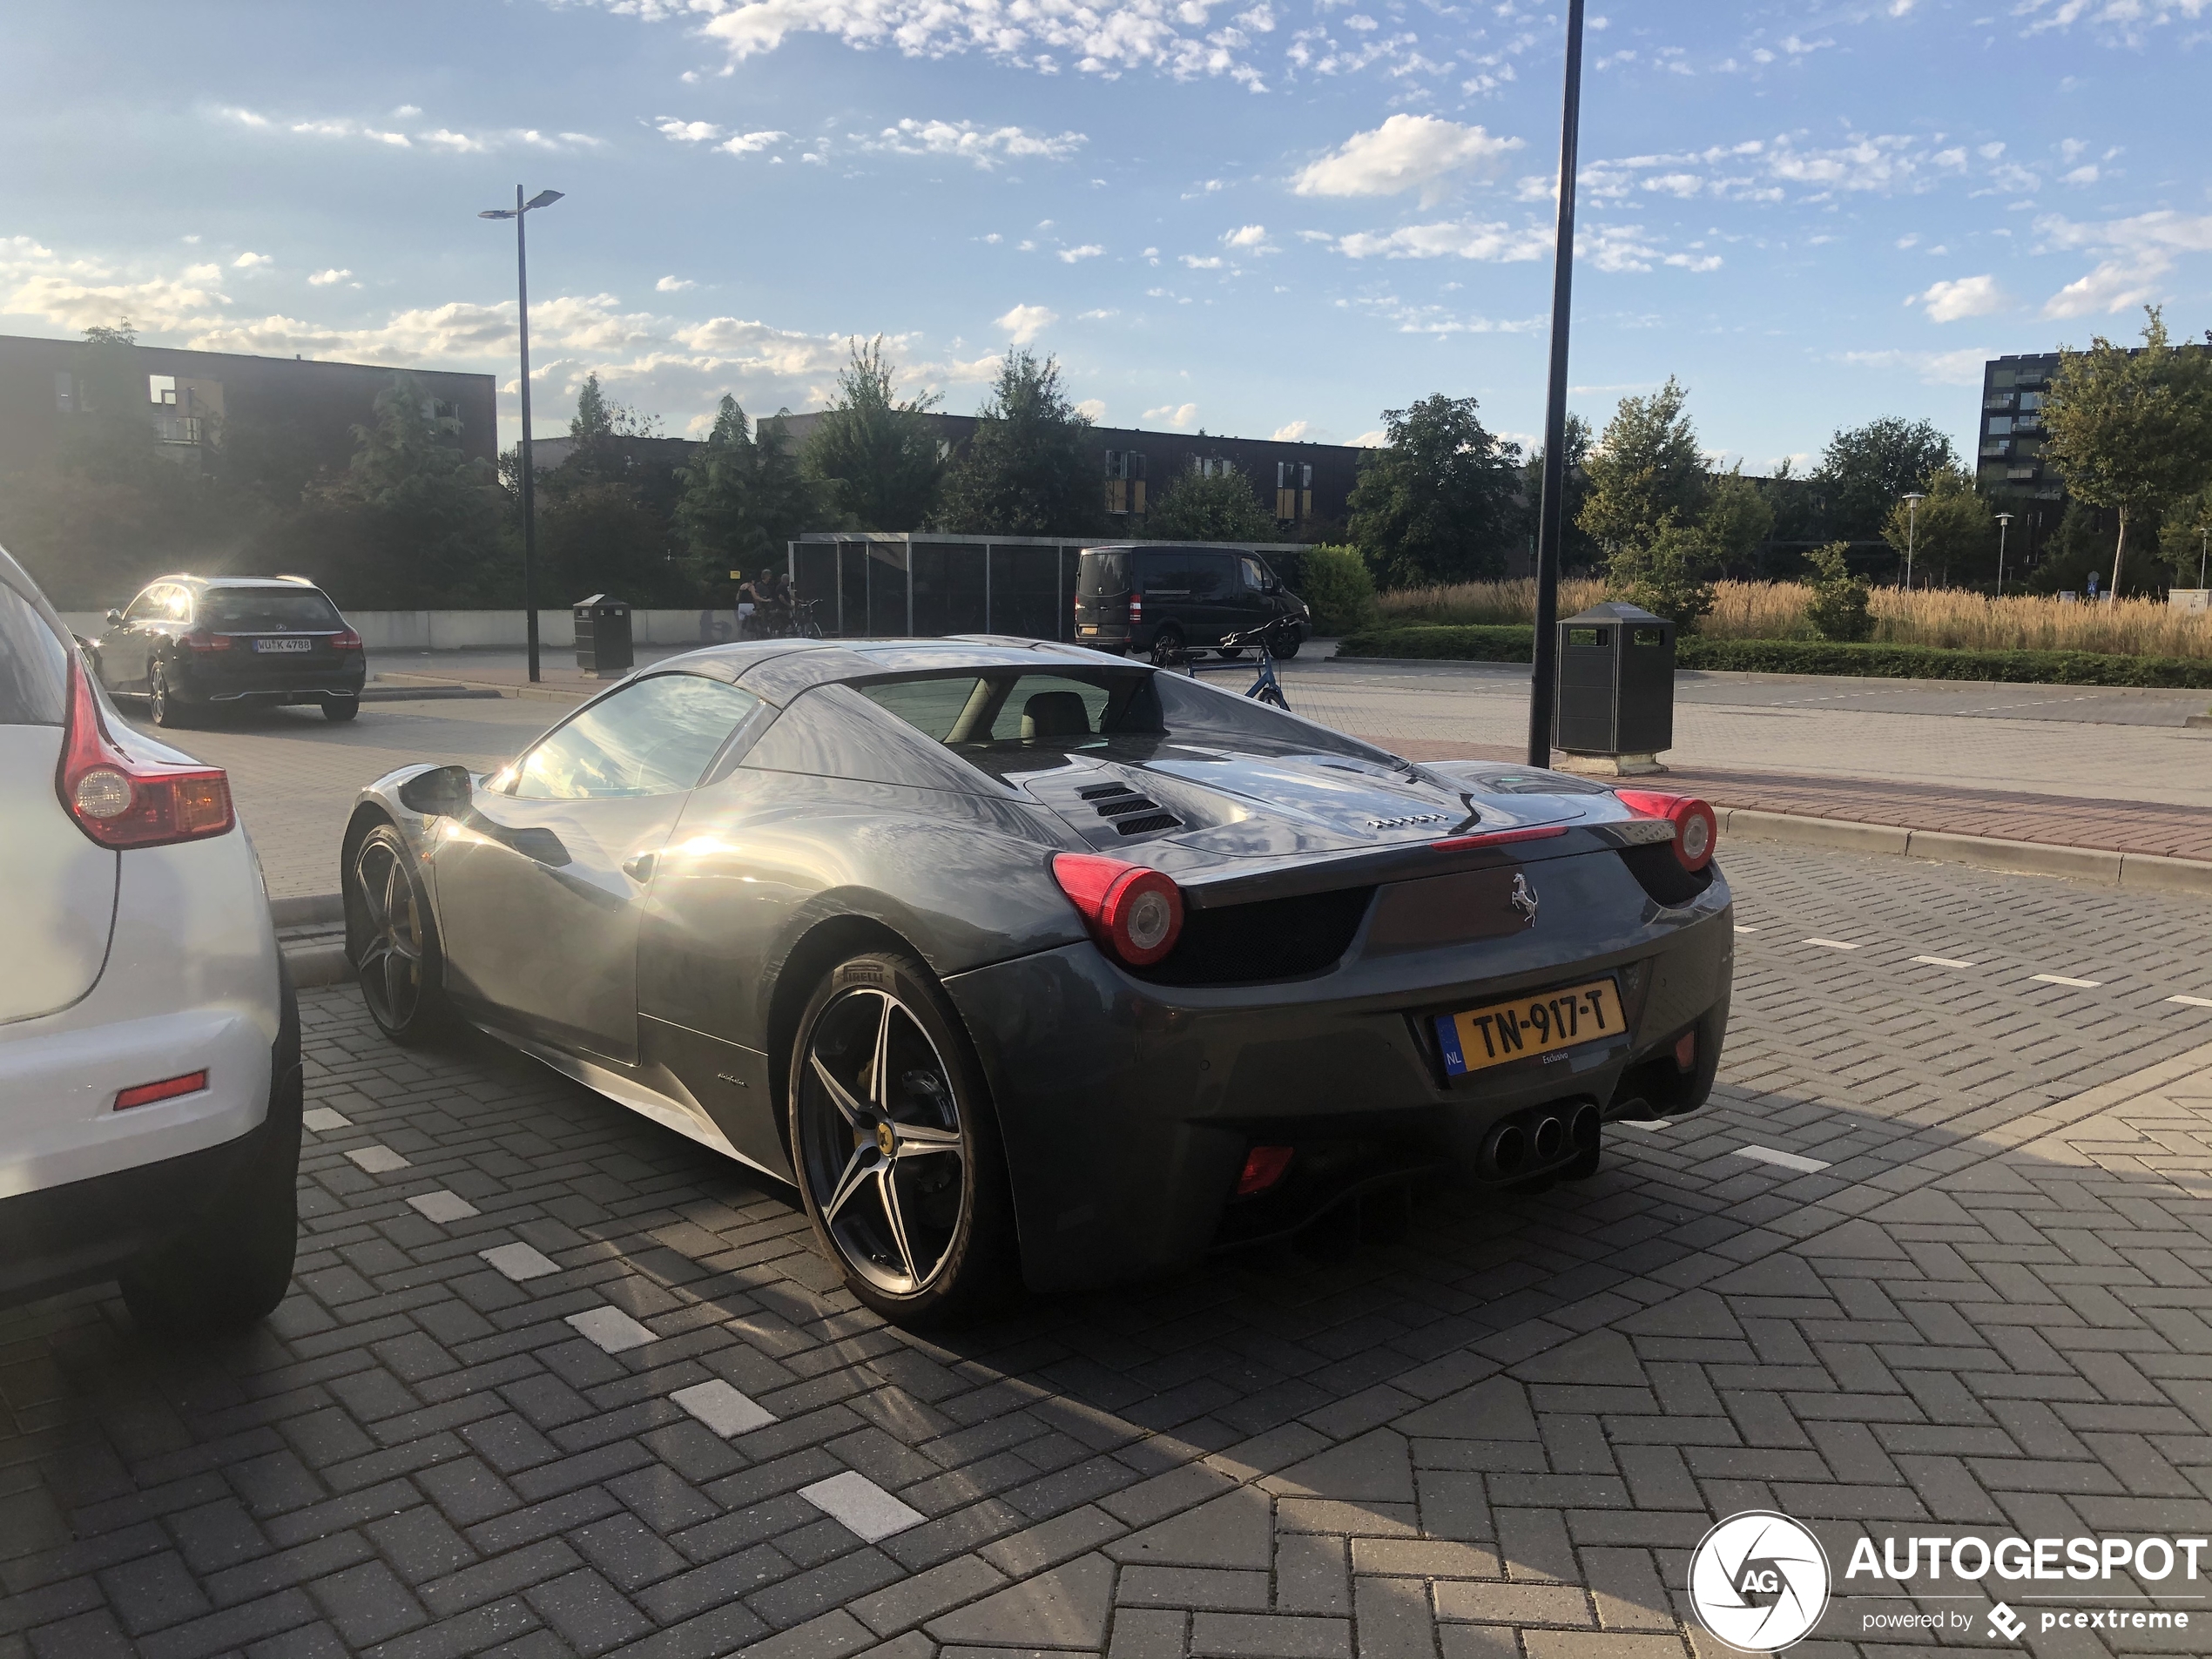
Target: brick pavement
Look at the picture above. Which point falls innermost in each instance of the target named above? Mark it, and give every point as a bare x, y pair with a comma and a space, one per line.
1498, 1434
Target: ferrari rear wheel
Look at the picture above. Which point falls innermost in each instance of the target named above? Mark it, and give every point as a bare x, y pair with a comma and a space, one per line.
393, 939
895, 1147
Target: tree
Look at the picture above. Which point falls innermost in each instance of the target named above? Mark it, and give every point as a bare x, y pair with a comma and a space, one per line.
1220, 508
1866, 470
1950, 532
873, 454
1838, 607
1647, 469
1026, 471
1738, 520
2185, 532
1336, 585
2130, 430
1578, 549
744, 498
1669, 573
1436, 503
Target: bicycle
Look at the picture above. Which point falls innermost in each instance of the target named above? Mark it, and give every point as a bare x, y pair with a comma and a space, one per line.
1264, 688
796, 622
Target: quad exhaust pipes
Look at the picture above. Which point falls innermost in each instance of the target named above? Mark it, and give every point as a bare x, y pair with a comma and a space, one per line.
1530, 1141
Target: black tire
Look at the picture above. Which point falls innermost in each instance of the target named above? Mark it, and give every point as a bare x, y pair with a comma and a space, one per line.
391, 939
162, 703
1287, 649
904, 1182
341, 708
231, 1264
1229, 653
1166, 648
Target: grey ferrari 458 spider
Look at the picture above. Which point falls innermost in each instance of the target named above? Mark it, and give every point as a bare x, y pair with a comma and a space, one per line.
1025, 962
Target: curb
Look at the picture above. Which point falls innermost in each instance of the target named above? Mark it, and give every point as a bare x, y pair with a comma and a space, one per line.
2147, 872
541, 693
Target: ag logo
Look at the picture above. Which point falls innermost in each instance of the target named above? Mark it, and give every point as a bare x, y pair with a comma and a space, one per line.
1759, 1580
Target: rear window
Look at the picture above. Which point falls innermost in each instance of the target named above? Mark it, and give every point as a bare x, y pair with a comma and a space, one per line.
1103, 571
255, 609
1010, 720
34, 666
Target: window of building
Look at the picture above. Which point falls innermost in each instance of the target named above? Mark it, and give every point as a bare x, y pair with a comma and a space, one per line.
1999, 425
1211, 466
2031, 400
162, 389
1124, 480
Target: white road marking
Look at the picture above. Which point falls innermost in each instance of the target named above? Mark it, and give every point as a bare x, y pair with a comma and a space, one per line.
865, 1507
377, 1160
611, 1329
1832, 944
1740, 928
2192, 1001
723, 1407
322, 1120
1784, 1160
442, 1206
1945, 961
2060, 979
1649, 1125
520, 1261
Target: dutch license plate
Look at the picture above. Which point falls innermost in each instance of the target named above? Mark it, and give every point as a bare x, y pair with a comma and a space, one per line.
284, 644
1532, 1025
1087, 631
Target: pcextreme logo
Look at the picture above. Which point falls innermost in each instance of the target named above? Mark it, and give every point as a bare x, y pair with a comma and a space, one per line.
1760, 1582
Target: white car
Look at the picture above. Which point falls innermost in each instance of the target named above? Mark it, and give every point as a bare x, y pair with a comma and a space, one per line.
149, 1040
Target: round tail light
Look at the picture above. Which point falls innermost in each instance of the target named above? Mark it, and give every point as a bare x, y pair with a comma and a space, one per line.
1697, 829
1134, 912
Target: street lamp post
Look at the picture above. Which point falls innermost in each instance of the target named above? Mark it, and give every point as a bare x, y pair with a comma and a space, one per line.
1913, 500
544, 199
2004, 523
1552, 506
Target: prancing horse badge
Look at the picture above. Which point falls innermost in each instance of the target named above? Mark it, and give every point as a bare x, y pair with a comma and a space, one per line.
1524, 900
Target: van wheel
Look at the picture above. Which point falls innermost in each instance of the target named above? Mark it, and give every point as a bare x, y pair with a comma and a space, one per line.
895, 1146
232, 1266
1166, 648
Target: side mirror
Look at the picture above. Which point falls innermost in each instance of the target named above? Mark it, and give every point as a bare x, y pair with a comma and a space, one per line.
442, 792
1271, 584
115, 618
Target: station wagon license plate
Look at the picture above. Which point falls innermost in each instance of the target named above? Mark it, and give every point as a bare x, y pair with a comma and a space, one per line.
294, 643
1545, 1023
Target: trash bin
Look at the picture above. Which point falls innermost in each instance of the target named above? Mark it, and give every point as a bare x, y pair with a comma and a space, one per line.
1616, 689
603, 637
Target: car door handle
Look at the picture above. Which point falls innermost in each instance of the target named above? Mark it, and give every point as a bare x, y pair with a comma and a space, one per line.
640, 868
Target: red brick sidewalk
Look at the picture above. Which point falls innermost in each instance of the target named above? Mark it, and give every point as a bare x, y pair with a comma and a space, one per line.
2052, 820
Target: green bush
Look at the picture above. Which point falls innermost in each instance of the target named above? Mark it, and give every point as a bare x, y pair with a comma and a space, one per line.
1338, 586
1507, 644
1837, 609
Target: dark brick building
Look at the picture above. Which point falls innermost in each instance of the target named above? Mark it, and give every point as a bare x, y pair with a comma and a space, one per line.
189, 395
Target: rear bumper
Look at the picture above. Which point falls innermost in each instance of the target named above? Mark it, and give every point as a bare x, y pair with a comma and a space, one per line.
55, 1237
1127, 1109
275, 682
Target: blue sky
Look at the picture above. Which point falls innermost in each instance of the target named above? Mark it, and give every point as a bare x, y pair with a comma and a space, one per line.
1256, 217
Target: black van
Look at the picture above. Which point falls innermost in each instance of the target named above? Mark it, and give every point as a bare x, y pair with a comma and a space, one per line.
1156, 599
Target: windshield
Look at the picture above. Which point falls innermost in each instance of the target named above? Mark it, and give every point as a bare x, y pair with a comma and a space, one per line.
1102, 570
255, 609
1012, 720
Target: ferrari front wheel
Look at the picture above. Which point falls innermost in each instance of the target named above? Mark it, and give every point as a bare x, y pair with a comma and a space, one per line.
895, 1146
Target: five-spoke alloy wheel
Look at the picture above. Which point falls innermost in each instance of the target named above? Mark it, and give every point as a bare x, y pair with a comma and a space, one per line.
392, 939
894, 1146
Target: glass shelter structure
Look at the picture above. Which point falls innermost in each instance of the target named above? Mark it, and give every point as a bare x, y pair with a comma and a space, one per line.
880, 584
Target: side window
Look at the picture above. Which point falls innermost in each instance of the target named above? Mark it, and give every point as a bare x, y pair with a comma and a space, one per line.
653, 738
1255, 578
1166, 574
150, 604
34, 665
1209, 575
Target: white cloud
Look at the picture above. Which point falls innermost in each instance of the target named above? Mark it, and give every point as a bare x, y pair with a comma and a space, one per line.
746, 144
1211, 262
1493, 243
985, 147
1098, 316
673, 285
682, 131
1954, 301
1088, 251
324, 279
1935, 369
1250, 238
1092, 409
442, 138
1406, 152
1376, 440
2114, 285
2137, 253
1296, 432
251, 261
1174, 414
1024, 323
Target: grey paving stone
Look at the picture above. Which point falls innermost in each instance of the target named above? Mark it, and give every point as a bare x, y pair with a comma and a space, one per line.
1064, 1607
1265, 1635
723, 1408
520, 1261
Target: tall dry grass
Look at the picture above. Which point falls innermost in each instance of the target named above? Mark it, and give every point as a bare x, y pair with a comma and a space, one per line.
1928, 616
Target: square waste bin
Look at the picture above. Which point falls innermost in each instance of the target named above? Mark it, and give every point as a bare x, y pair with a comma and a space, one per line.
603, 637
1616, 688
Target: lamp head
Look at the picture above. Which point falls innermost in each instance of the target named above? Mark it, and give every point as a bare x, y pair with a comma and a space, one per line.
496, 213
1914, 494
544, 199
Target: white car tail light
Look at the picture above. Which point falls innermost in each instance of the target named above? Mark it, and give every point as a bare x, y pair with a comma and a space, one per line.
120, 802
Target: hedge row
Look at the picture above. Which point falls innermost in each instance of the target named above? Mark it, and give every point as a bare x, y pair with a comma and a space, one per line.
1514, 644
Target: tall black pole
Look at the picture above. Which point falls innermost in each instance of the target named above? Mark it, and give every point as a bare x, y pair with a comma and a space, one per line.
529, 476
1551, 509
